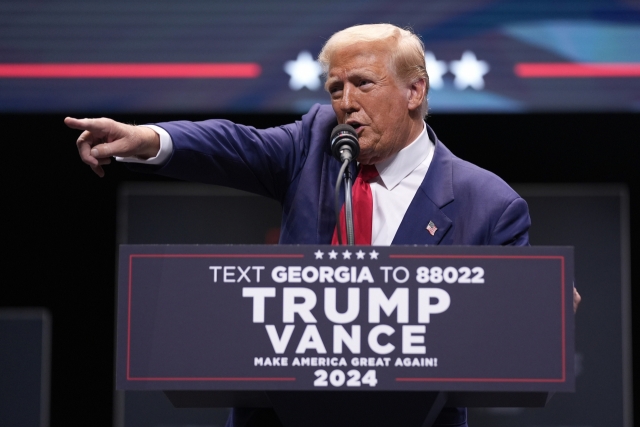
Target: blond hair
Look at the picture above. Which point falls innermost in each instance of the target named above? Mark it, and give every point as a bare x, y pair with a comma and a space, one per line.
406, 54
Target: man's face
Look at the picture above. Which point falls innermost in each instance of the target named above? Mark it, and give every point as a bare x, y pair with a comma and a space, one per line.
366, 94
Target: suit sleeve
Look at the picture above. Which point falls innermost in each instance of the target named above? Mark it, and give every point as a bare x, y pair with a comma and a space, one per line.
223, 153
513, 226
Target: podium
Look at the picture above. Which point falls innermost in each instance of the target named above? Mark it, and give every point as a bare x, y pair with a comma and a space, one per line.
346, 335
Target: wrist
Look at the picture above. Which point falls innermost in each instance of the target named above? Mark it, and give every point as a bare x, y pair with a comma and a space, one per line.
150, 143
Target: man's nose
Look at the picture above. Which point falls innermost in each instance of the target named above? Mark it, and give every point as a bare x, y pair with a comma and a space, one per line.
349, 102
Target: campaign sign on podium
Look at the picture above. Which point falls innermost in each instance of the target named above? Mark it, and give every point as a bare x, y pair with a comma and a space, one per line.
304, 318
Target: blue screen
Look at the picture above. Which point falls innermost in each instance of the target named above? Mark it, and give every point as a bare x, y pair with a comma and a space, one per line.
204, 56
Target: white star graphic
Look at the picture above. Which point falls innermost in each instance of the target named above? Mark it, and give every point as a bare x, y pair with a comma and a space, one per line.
373, 254
346, 255
360, 254
318, 254
333, 255
304, 71
436, 69
469, 71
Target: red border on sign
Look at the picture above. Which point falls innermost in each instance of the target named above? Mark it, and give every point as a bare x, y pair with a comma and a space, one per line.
399, 379
132, 256
505, 380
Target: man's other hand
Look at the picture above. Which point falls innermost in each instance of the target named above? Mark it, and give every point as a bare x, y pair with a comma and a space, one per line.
106, 138
576, 300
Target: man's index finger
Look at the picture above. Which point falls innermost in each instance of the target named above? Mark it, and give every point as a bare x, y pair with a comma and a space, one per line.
92, 125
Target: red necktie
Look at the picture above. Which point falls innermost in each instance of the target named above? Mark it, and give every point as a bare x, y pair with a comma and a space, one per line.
362, 202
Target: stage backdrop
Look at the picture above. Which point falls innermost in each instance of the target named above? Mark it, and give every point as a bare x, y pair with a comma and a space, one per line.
126, 56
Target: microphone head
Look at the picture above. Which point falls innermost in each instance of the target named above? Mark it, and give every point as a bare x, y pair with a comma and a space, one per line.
343, 136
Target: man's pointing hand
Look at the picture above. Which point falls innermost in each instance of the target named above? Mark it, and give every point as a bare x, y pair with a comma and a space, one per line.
106, 138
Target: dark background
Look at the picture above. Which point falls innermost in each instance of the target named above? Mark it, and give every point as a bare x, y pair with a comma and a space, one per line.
60, 220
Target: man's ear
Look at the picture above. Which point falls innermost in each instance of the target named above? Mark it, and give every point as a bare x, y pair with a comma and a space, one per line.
417, 93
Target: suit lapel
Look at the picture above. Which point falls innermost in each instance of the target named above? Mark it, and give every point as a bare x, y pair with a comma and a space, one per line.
435, 192
413, 229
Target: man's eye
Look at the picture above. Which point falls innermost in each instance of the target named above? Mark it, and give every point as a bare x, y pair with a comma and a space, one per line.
364, 82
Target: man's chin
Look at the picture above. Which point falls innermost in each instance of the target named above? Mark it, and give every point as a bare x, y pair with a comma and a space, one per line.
363, 158
366, 153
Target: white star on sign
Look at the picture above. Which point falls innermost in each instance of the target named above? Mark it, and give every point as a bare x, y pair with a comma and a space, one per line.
360, 254
469, 71
333, 255
373, 254
318, 254
304, 71
346, 255
436, 69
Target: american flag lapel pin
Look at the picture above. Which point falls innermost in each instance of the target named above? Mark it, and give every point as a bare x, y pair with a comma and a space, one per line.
431, 228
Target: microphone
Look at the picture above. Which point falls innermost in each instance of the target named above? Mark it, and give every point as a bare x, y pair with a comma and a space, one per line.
344, 143
344, 147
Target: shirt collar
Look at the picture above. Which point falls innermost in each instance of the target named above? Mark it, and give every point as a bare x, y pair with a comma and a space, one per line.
397, 167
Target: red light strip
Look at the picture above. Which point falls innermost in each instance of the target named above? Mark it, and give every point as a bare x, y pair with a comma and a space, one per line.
563, 70
131, 71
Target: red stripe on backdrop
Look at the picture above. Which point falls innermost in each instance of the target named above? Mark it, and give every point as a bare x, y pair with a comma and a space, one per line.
563, 70
132, 71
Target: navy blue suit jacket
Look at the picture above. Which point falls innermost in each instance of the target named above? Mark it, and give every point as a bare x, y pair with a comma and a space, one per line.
293, 164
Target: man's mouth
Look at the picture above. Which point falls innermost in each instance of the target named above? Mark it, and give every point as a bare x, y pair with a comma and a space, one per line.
356, 125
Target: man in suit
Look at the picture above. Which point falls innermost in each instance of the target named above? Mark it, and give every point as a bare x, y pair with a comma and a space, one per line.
378, 83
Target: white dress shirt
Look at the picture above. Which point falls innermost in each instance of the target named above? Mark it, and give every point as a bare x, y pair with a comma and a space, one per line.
392, 191
399, 180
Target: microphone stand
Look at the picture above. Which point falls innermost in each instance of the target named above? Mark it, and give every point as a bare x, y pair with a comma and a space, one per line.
345, 174
345, 148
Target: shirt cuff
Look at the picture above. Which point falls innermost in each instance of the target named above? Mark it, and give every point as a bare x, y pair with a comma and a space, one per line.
166, 148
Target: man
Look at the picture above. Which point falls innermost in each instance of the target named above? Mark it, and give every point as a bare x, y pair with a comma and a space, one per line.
378, 83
